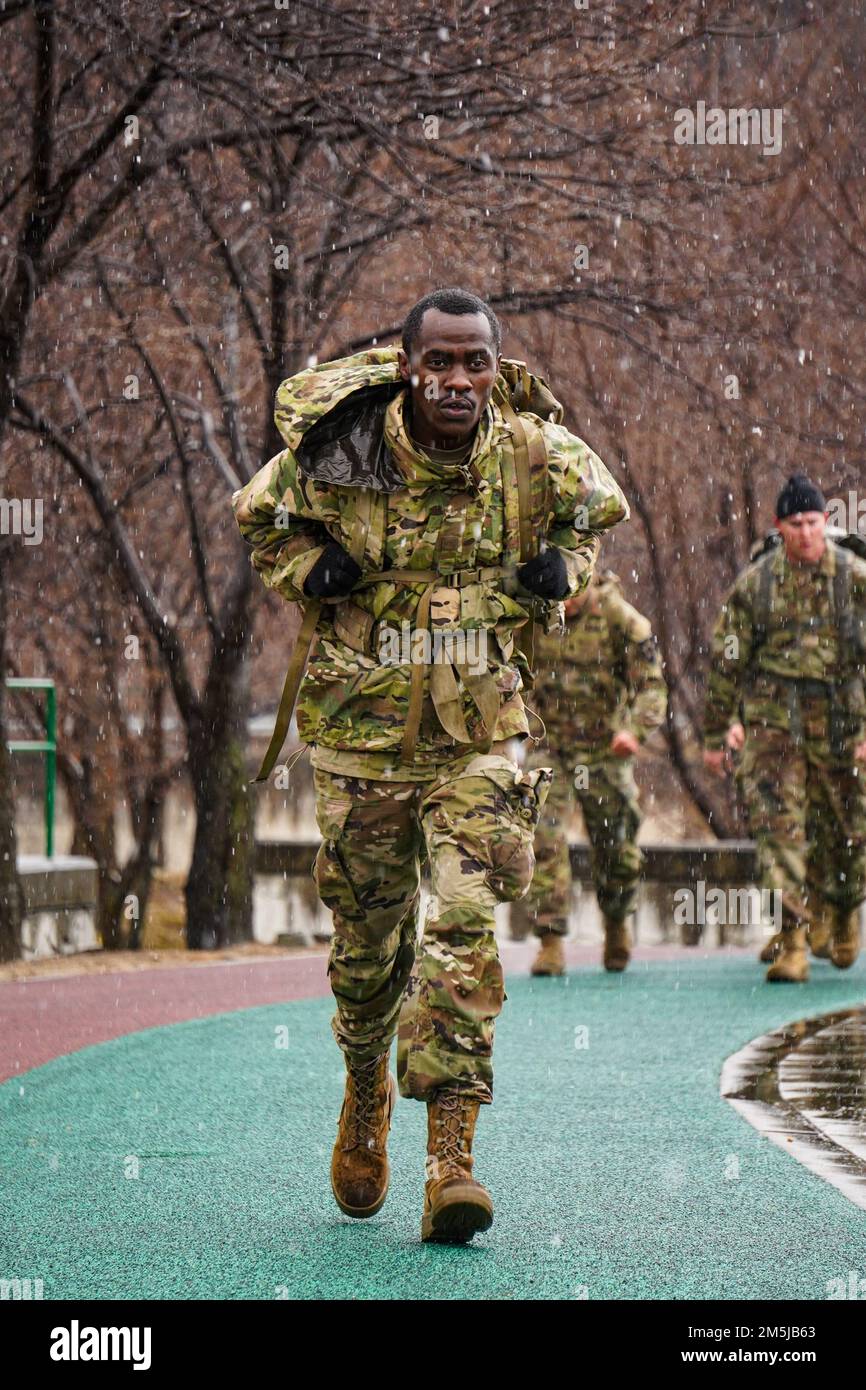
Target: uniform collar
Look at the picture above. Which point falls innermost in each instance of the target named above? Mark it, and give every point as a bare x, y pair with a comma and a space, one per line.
418, 468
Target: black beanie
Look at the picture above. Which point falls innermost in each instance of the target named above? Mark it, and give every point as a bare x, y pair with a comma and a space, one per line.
799, 495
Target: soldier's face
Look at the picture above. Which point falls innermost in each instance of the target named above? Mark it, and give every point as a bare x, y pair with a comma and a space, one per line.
451, 375
803, 537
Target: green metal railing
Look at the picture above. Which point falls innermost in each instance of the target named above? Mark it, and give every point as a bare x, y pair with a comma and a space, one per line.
46, 745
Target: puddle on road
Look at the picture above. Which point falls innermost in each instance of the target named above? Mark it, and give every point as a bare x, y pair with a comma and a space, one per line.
825, 1079
804, 1087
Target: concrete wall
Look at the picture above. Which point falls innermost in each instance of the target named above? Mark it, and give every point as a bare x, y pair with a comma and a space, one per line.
287, 908
60, 897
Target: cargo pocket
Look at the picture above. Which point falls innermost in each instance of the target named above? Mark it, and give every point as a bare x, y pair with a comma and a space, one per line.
330, 870
512, 845
354, 626
489, 813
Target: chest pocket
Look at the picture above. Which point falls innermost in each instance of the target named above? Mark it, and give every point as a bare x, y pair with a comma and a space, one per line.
459, 533
412, 528
802, 630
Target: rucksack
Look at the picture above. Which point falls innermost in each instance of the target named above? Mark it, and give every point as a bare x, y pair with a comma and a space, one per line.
525, 505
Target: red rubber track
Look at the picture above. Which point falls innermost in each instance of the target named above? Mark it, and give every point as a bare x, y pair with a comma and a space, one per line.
45, 1018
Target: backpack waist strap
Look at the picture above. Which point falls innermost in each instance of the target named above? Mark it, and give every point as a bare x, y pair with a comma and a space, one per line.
430, 579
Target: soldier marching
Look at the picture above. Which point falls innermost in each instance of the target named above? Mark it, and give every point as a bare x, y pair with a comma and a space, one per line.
786, 691
600, 691
432, 486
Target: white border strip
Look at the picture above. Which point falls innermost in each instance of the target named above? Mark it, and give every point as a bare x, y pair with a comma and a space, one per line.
753, 1072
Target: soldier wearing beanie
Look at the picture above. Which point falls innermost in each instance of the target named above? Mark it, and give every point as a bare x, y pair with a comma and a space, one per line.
786, 687
799, 495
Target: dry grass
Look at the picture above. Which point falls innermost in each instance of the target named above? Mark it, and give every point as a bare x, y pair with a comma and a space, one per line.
112, 962
166, 913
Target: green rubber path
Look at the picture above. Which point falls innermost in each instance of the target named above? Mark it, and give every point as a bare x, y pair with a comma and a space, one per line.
615, 1168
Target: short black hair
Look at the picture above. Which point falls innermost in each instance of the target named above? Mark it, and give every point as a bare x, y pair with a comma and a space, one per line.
449, 301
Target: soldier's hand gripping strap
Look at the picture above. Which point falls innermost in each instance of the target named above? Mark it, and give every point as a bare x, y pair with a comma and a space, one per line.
334, 575
545, 575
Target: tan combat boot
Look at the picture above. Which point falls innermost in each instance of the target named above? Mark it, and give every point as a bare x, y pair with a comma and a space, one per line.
455, 1205
791, 965
820, 929
359, 1164
772, 948
521, 920
845, 943
617, 944
551, 955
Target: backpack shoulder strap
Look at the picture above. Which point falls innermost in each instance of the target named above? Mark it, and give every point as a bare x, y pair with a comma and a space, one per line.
525, 482
764, 600
368, 517
842, 614
526, 501
517, 481
291, 686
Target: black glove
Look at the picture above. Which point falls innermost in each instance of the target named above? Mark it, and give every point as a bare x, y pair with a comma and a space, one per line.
333, 575
545, 574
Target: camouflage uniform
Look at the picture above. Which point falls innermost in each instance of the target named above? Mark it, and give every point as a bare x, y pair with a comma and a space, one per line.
799, 694
601, 676
459, 802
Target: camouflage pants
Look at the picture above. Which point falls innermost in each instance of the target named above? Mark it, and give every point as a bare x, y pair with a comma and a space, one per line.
474, 823
807, 814
611, 814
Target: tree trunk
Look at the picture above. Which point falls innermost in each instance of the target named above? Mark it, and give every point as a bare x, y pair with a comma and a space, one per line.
116, 912
219, 889
93, 835
715, 809
108, 921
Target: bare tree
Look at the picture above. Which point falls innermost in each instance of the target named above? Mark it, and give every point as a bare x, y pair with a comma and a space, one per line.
207, 202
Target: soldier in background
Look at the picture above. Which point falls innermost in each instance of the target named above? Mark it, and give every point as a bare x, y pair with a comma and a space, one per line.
600, 691
786, 688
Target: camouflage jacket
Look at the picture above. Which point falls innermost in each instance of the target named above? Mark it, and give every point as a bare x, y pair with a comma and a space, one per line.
752, 682
416, 514
601, 675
